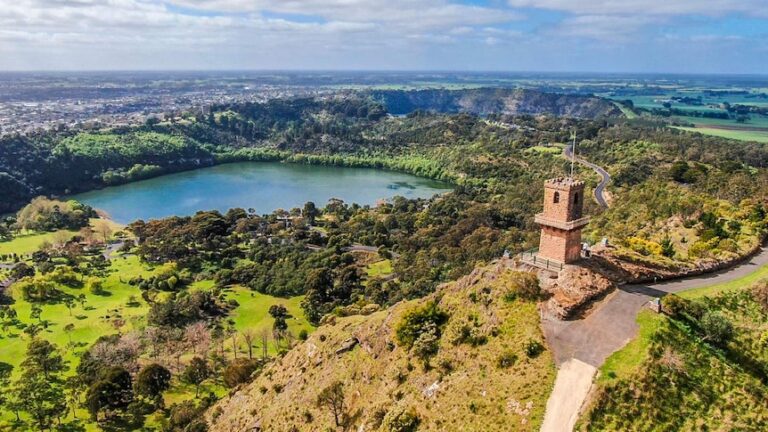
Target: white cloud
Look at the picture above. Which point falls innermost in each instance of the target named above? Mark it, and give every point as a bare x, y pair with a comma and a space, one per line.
650, 7
610, 28
44, 21
321, 33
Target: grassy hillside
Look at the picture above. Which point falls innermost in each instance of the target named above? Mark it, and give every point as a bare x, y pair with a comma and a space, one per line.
489, 372
682, 373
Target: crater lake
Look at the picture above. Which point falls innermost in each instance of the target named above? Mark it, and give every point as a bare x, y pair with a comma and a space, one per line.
264, 186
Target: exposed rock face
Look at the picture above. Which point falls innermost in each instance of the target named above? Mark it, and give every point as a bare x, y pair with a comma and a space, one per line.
622, 271
496, 101
574, 289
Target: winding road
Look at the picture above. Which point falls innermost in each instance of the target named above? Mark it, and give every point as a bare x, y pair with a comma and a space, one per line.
599, 192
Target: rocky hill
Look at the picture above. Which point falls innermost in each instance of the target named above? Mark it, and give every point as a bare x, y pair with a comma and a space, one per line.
485, 101
489, 369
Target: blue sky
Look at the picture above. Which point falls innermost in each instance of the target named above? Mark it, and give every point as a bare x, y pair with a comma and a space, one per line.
686, 36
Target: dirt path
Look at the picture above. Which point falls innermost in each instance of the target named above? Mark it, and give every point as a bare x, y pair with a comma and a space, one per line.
609, 327
573, 380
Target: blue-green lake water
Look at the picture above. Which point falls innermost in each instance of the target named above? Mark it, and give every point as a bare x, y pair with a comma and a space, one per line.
264, 186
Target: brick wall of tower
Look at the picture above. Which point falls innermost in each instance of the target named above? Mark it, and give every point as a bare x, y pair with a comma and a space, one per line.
560, 245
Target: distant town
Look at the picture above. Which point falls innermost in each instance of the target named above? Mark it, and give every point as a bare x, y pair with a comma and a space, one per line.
31, 102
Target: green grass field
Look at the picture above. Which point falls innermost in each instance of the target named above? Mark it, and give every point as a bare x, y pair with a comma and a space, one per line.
253, 314
741, 135
30, 242
673, 378
709, 126
379, 268
91, 321
741, 283
100, 315
755, 121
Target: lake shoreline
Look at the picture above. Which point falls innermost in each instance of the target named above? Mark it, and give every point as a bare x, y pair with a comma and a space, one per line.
263, 185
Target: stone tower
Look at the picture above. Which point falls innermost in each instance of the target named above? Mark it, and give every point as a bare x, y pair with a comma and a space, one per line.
562, 221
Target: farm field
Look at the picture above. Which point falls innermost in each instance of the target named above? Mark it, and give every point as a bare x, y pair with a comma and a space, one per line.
742, 135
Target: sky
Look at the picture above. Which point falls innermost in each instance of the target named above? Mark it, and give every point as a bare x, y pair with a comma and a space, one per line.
683, 36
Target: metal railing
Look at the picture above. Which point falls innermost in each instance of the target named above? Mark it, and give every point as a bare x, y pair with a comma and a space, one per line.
531, 257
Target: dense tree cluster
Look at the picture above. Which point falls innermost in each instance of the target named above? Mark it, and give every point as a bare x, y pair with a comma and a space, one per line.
43, 214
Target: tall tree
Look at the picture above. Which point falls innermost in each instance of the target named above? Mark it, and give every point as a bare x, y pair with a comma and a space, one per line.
38, 391
332, 398
196, 372
111, 392
152, 381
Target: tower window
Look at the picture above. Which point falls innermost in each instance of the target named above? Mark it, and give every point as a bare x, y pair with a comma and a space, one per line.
576, 198
556, 199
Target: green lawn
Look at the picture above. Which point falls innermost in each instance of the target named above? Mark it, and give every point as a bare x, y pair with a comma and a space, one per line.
624, 362
30, 242
379, 268
253, 314
97, 318
93, 320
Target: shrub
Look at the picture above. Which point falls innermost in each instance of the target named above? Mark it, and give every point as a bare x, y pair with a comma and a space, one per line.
472, 335
673, 305
524, 285
506, 359
644, 247
95, 286
533, 348
716, 328
398, 420
427, 344
152, 380
417, 321
239, 371
667, 248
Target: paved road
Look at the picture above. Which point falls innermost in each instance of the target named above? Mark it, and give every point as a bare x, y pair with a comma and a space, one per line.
608, 328
112, 248
612, 324
599, 192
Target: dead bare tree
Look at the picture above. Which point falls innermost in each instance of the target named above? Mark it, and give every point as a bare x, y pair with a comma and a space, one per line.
248, 337
198, 337
264, 342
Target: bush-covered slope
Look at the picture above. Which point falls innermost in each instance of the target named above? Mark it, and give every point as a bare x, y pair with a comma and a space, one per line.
486, 368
